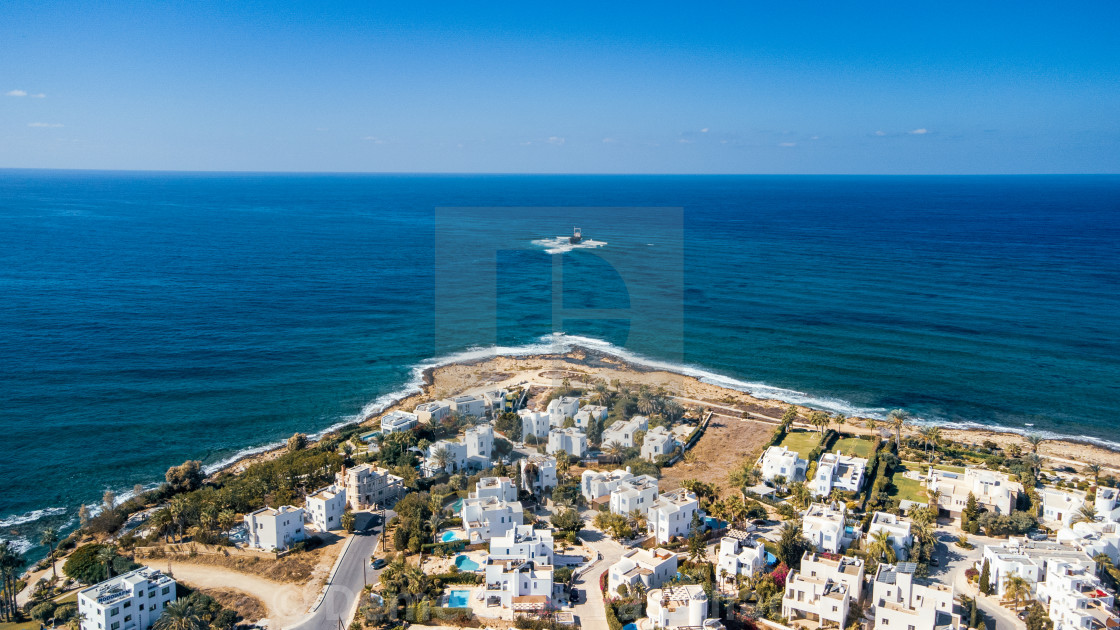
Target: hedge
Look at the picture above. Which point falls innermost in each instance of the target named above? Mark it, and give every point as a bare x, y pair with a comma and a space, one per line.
462, 577
439, 612
444, 547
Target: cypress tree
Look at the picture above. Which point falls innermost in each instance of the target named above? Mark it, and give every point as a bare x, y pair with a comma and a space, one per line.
985, 579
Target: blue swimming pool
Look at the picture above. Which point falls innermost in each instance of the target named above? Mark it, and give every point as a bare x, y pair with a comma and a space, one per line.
449, 536
630, 626
458, 599
466, 564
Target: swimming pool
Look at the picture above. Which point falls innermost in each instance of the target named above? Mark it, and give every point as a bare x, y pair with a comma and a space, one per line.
458, 599
630, 626
466, 564
449, 536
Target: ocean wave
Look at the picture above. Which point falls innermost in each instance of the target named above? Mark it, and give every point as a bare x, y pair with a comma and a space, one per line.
21, 545
30, 517
561, 244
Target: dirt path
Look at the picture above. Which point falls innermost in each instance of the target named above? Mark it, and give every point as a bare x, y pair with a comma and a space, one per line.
286, 604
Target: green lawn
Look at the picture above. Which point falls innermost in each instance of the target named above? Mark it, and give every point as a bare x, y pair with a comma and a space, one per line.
801, 441
24, 625
924, 466
906, 489
854, 446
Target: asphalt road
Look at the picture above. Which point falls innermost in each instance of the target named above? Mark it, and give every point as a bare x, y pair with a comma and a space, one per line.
352, 576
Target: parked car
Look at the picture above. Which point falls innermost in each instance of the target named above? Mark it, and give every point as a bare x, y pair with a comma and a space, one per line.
574, 597
378, 563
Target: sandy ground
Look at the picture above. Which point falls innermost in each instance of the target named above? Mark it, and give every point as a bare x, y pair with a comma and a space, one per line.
249, 607
725, 444
285, 604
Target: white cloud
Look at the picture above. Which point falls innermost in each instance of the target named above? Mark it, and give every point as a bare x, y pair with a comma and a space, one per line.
684, 141
704, 130
17, 93
609, 141
815, 138
555, 140
374, 139
39, 95
919, 132
787, 144
38, 124
880, 133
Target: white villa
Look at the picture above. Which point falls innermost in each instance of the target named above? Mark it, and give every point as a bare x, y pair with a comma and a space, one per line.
480, 445
534, 423
825, 526
679, 606
622, 431
595, 484
897, 528
469, 406
487, 517
456, 457
837, 472
1026, 558
433, 412
545, 478
993, 490
275, 529
496, 399
659, 441
1059, 506
823, 589
562, 408
899, 602
1075, 598
1107, 503
366, 486
325, 507
522, 542
651, 568
740, 554
520, 586
588, 413
396, 421
500, 488
671, 514
779, 461
635, 493
571, 440
129, 601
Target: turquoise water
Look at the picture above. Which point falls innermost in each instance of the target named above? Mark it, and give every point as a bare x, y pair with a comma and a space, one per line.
465, 563
449, 536
151, 318
458, 599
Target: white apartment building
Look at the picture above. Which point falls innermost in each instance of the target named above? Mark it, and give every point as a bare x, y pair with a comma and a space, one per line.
541, 478
993, 490
396, 421
456, 458
1059, 506
900, 602
680, 606
500, 488
671, 514
130, 601
520, 586
740, 554
651, 568
432, 412
1075, 598
534, 423
325, 506
485, 518
594, 484
1093, 538
635, 493
823, 589
275, 529
588, 413
1107, 503
562, 408
522, 542
469, 406
659, 441
480, 445
897, 528
779, 461
570, 440
1026, 558
825, 526
838, 472
366, 486
623, 431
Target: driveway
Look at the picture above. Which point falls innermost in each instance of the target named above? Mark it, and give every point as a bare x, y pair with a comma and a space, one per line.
955, 561
590, 611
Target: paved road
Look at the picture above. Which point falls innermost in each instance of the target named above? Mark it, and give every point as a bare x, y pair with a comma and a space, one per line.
590, 612
955, 561
348, 582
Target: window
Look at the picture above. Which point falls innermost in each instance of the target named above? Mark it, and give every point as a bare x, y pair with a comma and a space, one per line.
166, 590
128, 618
115, 625
114, 612
128, 604
886, 622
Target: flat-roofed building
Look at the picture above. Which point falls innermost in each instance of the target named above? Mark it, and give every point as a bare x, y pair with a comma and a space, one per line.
501, 488
1059, 507
837, 472
825, 526
538, 473
740, 554
433, 412
522, 542
325, 506
487, 517
634, 493
397, 421
534, 423
658, 441
571, 440
367, 486
779, 461
649, 567
594, 484
902, 602
1026, 559
520, 586
993, 490
562, 408
823, 589
275, 529
624, 431
469, 406
896, 527
129, 601
679, 606
588, 413
671, 514
1075, 598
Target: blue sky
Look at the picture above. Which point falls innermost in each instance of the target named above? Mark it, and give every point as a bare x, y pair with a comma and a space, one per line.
775, 87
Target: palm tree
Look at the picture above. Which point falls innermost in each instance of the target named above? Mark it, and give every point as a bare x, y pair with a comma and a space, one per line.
673, 411
647, 402
531, 473
870, 423
177, 508
603, 394
614, 450
1087, 513
441, 457
897, 419
744, 477
227, 519
1103, 560
10, 563
1035, 440
1017, 589
1094, 469
839, 418
932, 437
49, 537
880, 546
105, 555
179, 615
820, 420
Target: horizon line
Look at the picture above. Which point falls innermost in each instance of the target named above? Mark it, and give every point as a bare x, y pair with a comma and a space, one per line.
551, 173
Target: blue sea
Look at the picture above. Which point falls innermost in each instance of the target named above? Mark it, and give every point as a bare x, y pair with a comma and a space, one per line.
151, 318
